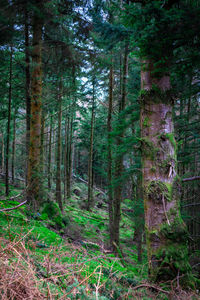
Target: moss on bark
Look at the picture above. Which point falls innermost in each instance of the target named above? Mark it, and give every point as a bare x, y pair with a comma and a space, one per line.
170, 259
155, 95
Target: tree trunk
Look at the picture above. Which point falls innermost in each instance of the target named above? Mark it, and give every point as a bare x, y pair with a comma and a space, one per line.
28, 80
13, 147
49, 156
109, 174
42, 146
58, 170
64, 161
70, 145
139, 216
165, 231
2, 153
34, 177
90, 161
119, 159
8, 125
67, 161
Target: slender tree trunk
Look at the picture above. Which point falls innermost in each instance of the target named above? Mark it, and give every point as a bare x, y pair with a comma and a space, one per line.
34, 176
119, 159
90, 162
70, 152
67, 162
139, 216
2, 153
165, 231
64, 161
13, 147
28, 80
8, 125
109, 174
49, 156
58, 170
42, 145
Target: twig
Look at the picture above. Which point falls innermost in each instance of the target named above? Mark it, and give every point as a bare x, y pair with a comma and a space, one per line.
12, 208
74, 288
98, 284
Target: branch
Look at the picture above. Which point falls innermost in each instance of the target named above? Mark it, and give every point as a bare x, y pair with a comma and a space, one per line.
12, 208
191, 178
150, 287
14, 197
86, 182
191, 204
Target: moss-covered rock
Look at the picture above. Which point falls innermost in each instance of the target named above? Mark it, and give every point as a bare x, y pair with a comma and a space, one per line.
54, 214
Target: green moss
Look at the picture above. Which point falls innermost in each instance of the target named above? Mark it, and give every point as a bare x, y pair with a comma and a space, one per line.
169, 187
155, 95
171, 138
52, 210
148, 148
170, 259
176, 231
153, 169
146, 122
156, 189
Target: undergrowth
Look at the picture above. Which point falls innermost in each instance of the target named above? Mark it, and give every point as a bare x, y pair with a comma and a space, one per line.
40, 259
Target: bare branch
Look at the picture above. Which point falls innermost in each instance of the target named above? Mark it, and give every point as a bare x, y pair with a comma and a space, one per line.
191, 178
12, 208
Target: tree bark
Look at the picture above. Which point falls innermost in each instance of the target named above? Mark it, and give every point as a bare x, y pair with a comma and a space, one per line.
8, 124
34, 176
165, 231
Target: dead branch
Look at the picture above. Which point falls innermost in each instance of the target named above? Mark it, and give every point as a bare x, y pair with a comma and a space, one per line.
191, 178
150, 287
12, 208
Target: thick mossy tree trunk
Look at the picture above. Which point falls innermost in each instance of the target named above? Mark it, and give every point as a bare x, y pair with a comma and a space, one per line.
166, 233
33, 177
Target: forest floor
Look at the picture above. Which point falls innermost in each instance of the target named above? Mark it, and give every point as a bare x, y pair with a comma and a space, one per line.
50, 255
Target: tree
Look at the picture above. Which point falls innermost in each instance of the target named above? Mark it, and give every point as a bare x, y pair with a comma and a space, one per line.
33, 178
8, 124
166, 232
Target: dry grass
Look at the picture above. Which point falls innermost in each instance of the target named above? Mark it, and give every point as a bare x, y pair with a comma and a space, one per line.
17, 275
26, 276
